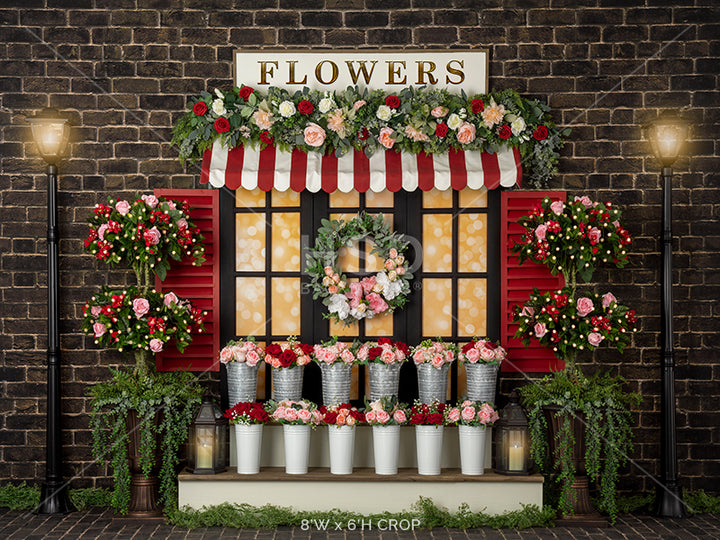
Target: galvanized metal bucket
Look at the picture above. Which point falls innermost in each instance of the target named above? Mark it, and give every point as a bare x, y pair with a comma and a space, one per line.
481, 381
242, 382
287, 383
432, 383
384, 379
336, 383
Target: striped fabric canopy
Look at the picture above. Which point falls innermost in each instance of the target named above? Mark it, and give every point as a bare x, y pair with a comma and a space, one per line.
274, 169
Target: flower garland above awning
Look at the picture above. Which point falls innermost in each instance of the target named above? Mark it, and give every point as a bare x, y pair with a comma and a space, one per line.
331, 126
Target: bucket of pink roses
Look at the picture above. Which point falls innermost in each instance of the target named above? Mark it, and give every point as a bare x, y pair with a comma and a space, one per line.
386, 415
341, 421
482, 359
384, 359
288, 360
429, 421
297, 419
241, 360
336, 360
248, 419
472, 418
433, 359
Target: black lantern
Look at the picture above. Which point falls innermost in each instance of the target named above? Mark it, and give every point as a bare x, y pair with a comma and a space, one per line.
207, 444
512, 439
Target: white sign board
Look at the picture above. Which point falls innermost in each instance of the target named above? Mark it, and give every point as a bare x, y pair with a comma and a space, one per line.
388, 70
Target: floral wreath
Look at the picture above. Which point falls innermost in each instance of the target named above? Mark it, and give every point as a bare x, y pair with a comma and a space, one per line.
381, 293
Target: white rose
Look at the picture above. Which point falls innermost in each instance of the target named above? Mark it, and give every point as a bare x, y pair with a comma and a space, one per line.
287, 109
384, 113
339, 304
326, 104
218, 107
219, 94
517, 126
454, 121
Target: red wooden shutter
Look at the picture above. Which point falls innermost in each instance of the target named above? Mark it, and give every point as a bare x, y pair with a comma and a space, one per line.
199, 284
518, 282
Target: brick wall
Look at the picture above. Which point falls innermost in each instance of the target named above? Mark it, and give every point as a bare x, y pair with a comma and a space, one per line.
123, 75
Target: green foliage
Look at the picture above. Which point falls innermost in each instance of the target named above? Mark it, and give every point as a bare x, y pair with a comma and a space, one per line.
699, 502
20, 497
605, 408
173, 396
90, 497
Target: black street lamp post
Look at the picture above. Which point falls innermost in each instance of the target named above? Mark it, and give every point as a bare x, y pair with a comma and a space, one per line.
51, 133
667, 135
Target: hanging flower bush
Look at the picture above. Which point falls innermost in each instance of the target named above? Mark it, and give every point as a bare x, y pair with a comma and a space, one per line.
413, 120
384, 351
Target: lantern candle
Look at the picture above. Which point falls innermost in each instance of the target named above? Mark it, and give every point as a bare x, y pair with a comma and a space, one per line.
204, 453
516, 457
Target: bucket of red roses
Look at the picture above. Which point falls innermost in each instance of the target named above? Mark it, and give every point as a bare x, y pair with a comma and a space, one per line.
288, 360
336, 359
429, 421
248, 419
298, 418
433, 359
341, 421
482, 359
241, 360
472, 418
386, 415
384, 359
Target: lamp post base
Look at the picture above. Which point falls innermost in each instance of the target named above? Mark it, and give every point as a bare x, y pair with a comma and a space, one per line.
668, 502
54, 499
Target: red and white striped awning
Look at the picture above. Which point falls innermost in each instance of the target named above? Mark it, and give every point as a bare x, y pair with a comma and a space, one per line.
274, 169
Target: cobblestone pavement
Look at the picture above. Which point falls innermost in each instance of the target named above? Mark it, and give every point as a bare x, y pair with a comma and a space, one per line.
99, 524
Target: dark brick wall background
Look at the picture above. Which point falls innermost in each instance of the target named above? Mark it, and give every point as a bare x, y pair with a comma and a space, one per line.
123, 71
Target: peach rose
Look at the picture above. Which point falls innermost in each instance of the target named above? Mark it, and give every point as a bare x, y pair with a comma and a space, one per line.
314, 135
386, 138
466, 133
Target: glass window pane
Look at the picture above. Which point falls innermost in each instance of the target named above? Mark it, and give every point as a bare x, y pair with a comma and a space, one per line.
384, 199
436, 198
472, 243
436, 307
341, 329
249, 198
338, 199
249, 306
473, 198
373, 263
286, 242
285, 306
285, 198
250, 242
472, 307
380, 325
437, 243
348, 258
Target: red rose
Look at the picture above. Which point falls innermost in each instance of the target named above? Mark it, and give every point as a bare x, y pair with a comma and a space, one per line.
477, 105
467, 347
305, 107
222, 125
392, 101
266, 137
385, 341
245, 92
434, 418
306, 348
363, 134
441, 130
273, 350
403, 347
505, 132
540, 133
374, 352
287, 357
200, 108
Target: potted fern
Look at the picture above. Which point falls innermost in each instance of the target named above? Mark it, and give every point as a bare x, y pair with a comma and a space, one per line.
580, 424
139, 418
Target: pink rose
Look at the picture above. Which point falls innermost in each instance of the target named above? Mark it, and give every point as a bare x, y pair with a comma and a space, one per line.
370, 416
156, 345
527, 311
368, 283
263, 119
151, 200
500, 354
362, 352
304, 415
291, 415
140, 307
594, 339
101, 231
387, 356
540, 330
152, 236
359, 103
468, 414
557, 207
354, 294
182, 224
171, 205
332, 289
483, 416
99, 329
314, 135
386, 138
438, 361
123, 207
383, 417
540, 232
377, 304
252, 358
419, 356
399, 416
585, 200
226, 355
347, 356
466, 133
594, 235
487, 354
608, 299
473, 355
170, 299
328, 271
454, 414
279, 413
95, 310
439, 112
584, 306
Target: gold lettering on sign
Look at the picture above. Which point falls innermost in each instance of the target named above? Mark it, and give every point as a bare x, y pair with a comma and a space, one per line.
318, 72
455, 71
361, 69
265, 70
422, 72
291, 73
394, 71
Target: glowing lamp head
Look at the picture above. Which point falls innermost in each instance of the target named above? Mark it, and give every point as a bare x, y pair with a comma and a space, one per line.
667, 136
51, 133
